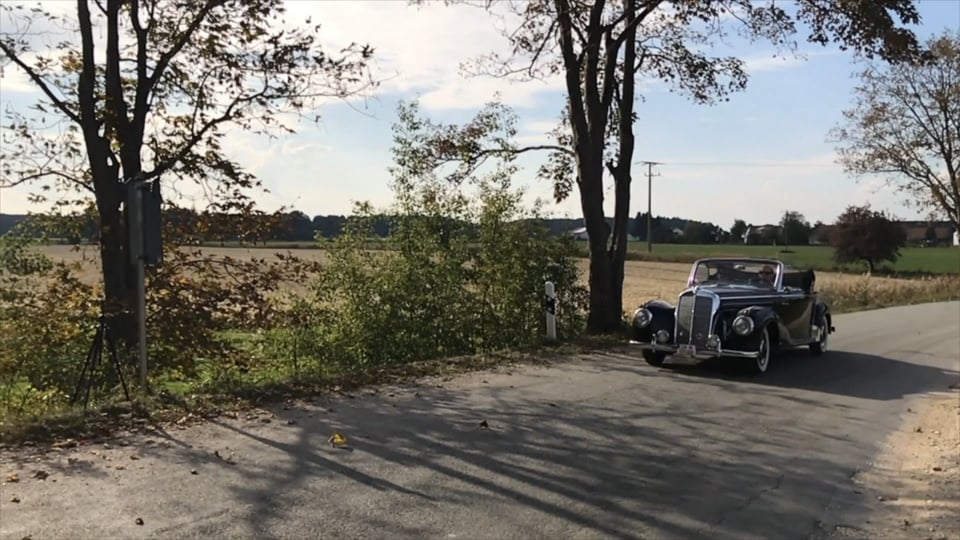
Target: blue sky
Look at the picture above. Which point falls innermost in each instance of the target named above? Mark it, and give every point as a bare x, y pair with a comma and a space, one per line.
761, 153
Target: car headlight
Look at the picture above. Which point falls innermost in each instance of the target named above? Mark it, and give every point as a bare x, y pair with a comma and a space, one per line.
663, 336
743, 325
642, 318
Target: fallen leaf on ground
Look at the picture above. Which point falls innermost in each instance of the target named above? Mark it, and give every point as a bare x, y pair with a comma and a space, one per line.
15, 499
41, 475
228, 460
13, 478
484, 424
337, 439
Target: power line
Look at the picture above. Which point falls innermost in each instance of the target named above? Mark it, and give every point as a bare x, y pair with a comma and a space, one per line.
650, 176
782, 164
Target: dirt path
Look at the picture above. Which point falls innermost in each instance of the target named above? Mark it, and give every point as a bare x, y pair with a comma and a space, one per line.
915, 481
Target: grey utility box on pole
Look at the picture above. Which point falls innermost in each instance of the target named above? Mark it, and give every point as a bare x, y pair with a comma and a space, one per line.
145, 243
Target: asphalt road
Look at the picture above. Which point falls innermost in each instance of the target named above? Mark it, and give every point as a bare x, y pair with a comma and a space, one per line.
602, 446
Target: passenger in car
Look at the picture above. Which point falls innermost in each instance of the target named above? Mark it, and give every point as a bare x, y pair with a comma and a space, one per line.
767, 275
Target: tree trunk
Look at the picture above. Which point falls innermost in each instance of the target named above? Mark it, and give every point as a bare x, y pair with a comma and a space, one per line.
605, 296
119, 289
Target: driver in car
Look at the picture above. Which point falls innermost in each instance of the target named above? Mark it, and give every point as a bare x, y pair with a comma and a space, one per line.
767, 275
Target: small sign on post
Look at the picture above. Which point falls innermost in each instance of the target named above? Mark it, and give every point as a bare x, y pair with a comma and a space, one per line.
145, 247
550, 307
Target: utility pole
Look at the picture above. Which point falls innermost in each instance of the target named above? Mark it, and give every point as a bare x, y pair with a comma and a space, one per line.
650, 176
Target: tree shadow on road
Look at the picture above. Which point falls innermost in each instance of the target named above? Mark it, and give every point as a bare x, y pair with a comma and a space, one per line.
539, 468
844, 373
673, 453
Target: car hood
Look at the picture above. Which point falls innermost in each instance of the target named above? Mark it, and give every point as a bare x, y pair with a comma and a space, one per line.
736, 290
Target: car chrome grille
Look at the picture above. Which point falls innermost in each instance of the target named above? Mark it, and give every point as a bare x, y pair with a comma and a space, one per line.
685, 308
694, 314
702, 312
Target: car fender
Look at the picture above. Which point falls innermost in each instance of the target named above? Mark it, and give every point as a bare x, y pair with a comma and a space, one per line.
761, 315
663, 319
822, 309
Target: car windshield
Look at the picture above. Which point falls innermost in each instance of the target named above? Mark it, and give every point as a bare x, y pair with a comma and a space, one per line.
755, 273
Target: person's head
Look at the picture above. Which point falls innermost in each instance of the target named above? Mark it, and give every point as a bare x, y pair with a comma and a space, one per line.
767, 274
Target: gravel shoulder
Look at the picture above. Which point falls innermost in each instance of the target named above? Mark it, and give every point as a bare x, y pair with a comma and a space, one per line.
915, 480
597, 446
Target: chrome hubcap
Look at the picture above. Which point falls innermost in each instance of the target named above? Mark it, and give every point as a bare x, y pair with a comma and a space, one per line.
764, 356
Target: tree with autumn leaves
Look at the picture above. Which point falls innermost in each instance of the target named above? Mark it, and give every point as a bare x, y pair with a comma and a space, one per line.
601, 48
156, 96
148, 89
904, 127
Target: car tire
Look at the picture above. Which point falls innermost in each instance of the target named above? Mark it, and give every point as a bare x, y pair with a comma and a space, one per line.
654, 358
820, 347
760, 365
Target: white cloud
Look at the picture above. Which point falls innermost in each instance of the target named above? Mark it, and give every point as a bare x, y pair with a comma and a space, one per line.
14, 80
777, 62
420, 49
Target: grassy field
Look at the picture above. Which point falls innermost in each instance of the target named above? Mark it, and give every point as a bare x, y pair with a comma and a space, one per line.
646, 280
934, 260
219, 387
913, 260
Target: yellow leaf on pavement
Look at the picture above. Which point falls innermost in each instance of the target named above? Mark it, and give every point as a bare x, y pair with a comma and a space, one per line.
337, 439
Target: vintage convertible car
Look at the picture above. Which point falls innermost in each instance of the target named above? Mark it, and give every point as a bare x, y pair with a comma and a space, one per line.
740, 308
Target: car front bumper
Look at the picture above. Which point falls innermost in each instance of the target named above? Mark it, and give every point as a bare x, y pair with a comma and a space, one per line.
693, 353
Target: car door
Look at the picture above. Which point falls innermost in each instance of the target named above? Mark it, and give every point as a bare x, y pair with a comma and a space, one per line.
795, 309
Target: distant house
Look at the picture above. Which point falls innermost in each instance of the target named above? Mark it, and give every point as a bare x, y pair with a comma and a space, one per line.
820, 235
918, 233
929, 233
579, 234
761, 234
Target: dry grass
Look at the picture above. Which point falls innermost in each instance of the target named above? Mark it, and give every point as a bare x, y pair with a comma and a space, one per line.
647, 280
845, 292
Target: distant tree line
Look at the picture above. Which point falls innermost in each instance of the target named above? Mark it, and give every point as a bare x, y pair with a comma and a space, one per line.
223, 227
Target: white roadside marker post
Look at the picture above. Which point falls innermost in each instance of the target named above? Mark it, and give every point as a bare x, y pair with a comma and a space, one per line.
550, 306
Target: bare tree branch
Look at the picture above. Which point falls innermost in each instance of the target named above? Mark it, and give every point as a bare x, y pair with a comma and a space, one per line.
23, 179
44, 87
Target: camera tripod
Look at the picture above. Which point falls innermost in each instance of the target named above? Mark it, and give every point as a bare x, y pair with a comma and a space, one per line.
95, 359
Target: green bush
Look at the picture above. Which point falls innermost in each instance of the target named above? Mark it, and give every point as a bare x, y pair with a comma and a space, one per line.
462, 271
45, 323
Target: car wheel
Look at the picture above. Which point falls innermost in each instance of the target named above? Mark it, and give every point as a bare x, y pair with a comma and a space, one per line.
761, 363
654, 358
820, 346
